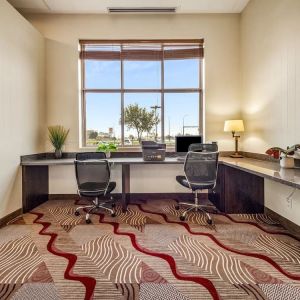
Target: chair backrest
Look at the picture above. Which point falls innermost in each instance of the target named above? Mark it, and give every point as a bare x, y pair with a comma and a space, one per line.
198, 147
90, 155
96, 172
201, 167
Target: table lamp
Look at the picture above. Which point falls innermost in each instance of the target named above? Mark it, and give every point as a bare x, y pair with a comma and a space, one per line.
235, 126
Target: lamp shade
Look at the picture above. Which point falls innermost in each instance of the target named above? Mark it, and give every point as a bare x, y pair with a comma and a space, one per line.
234, 125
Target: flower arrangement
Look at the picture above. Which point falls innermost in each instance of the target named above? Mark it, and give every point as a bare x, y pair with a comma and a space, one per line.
277, 152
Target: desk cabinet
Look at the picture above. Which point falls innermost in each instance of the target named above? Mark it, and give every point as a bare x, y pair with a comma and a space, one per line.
238, 191
35, 186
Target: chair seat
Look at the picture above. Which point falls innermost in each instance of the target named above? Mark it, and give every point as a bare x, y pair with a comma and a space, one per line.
95, 189
195, 186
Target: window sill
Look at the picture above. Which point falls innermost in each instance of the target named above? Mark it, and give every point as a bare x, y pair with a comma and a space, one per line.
124, 149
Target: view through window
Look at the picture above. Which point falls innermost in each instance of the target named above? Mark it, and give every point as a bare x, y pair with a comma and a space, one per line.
138, 90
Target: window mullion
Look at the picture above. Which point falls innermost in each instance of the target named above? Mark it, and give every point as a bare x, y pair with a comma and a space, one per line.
122, 101
162, 97
83, 101
201, 104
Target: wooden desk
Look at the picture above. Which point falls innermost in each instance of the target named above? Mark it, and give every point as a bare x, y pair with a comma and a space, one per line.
35, 177
240, 185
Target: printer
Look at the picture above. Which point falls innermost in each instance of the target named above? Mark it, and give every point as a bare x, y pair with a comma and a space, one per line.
153, 151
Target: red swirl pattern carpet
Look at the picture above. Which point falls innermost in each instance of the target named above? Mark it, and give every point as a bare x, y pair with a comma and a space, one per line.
146, 253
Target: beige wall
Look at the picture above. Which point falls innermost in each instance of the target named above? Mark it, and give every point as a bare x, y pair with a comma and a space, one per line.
283, 199
222, 40
22, 112
270, 55
144, 179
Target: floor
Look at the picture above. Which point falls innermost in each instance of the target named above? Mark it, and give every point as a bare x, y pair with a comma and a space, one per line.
146, 253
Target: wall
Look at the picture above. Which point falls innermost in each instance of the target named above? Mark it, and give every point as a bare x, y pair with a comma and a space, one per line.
270, 56
283, 199
22, 113
144, 179
221, 34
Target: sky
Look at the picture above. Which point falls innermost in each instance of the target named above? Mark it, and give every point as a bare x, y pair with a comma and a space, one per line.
104, 110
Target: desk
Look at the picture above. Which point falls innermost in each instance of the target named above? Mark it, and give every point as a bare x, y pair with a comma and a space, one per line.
240, 186
35, 177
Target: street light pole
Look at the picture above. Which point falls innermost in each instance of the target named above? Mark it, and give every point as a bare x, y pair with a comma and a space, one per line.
183, 124
169, 129
155, 107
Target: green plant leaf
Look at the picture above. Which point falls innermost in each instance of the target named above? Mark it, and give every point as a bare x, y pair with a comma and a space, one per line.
57, 136
107, 147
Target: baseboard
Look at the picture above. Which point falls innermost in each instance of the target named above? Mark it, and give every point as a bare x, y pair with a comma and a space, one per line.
289, 225
11, 216
137, 196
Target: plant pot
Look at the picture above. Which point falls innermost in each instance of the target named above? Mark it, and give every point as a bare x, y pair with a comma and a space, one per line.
58, 154
297, 154
287, 162
108, 154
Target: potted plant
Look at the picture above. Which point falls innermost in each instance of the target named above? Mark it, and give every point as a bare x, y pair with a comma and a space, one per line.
107, 148
57, 136
285, 155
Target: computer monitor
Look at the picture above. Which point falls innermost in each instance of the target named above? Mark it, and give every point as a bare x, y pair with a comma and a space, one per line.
183, 142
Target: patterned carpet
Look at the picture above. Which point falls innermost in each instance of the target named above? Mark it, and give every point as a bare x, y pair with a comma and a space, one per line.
146, 253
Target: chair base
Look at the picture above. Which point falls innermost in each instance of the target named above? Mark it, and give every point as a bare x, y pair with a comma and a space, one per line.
195, 207
95, 206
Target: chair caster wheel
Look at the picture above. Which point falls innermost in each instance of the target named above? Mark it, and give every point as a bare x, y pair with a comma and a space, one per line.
113, 205
77, 213
177, 207
182, 218
209, 221
88, 221
113, 215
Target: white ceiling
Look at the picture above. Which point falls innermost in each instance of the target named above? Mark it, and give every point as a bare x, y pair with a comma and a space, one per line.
100, 6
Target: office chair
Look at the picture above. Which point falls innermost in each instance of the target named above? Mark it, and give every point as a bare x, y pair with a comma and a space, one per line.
93, 180
200, 168
198, 147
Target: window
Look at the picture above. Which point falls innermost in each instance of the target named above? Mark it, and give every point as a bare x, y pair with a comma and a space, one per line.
134, 90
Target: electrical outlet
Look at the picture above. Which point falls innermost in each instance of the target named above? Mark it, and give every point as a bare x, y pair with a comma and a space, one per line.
289, 199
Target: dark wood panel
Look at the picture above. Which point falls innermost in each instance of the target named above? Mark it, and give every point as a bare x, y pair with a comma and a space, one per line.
125, 186
35, 186
11, 216
217, 195
238, 191
244, 192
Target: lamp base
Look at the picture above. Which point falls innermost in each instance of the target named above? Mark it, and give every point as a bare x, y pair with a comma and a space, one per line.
236, 155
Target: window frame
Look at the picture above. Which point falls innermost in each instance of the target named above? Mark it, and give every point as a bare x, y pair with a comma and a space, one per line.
162, 90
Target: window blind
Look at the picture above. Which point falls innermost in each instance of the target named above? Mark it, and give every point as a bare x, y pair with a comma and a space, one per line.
141, 51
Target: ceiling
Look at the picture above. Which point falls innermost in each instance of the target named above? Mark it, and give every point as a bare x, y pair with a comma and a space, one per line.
100, 6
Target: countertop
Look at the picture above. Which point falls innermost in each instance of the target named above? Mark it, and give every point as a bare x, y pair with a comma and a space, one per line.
263, 168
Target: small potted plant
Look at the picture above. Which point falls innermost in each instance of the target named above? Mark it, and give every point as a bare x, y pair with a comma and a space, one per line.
285, 155
107, 148
57, 136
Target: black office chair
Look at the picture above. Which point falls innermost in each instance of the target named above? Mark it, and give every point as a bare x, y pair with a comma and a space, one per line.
200, 168
198, 147
93, 180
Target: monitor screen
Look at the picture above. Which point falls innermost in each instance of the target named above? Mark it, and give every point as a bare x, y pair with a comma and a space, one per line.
183, 142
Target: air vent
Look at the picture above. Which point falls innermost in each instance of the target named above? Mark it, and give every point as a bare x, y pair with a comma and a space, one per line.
141, 9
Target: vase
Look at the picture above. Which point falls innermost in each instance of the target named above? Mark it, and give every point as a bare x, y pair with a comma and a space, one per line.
58, 154
108, 154
286, 162
297, 154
